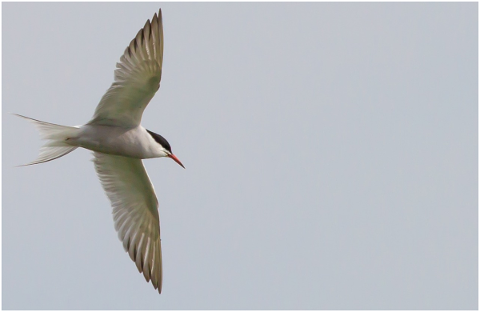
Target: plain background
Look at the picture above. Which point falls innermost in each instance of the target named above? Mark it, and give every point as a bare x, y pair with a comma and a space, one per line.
331, 155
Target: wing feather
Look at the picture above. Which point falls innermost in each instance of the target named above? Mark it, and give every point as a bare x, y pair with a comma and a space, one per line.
135, 211
137, 78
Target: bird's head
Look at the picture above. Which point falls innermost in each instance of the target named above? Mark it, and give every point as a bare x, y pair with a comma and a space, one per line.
165, 149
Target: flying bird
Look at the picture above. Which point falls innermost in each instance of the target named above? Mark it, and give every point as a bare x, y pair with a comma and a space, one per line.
119, 143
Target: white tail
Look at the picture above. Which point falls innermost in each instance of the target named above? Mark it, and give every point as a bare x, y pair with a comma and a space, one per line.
56, 135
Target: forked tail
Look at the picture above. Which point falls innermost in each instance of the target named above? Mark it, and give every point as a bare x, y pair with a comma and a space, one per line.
56, 136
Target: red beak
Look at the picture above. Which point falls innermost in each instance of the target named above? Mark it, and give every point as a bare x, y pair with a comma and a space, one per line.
176, 160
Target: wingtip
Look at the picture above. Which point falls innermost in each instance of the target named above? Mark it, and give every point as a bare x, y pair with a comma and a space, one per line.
156, 19
159, 16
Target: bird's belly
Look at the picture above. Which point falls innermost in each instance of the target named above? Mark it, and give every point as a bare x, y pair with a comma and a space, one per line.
114, 140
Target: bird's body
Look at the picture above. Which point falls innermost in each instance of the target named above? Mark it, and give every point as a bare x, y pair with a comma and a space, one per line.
120, 143
129, 142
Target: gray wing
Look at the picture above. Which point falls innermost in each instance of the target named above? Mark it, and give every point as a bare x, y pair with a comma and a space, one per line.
135, 211
137, 78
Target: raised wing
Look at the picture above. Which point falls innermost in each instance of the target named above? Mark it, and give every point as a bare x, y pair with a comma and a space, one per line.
134, 211
137, 78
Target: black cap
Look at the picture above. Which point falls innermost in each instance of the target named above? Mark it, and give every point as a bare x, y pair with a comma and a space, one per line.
160, 140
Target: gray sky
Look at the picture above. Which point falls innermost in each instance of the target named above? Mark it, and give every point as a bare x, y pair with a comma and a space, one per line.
331, 155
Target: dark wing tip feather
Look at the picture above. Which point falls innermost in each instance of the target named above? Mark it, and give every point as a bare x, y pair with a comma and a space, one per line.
141, 33
146, 24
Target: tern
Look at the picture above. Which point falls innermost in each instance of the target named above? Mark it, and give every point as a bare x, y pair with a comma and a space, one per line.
119, 143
